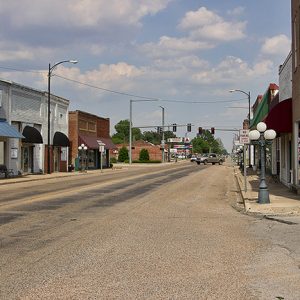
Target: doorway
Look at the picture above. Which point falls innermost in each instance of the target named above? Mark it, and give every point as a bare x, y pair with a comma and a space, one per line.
27, 158
56, 159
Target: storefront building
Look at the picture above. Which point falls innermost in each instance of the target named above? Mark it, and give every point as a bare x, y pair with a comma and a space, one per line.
90, 131
261, 109
155, 152
25, 110
296, 92
279, 119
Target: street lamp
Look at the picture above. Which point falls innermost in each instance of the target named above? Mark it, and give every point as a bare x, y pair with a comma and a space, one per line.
82, 149
262, 137
130, 123
249, 109
163, 134
49, 78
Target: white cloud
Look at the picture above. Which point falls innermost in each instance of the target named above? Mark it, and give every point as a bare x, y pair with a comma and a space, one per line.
276, 45
10, 51
232, 70
206, 24
168, 46
199, 18
236, 11
78, 13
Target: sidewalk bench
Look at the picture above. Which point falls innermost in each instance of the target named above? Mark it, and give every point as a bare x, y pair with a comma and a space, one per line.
7, 172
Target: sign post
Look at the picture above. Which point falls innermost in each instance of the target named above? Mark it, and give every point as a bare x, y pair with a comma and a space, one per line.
244, 140
101, 150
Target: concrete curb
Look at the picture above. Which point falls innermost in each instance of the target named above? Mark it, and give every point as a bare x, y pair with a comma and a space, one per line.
282, 204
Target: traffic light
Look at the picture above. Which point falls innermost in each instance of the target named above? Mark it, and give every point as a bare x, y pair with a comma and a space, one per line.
174, 127
212, 130
159, 130
189, 127
200, 130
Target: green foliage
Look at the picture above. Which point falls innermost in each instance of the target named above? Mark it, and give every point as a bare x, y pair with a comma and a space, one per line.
144, 155
123, 154
207, 143
122, 133
155, 138
156, 161
200, 145
113, 160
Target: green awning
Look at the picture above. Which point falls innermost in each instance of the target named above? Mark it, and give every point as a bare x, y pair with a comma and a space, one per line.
261, 111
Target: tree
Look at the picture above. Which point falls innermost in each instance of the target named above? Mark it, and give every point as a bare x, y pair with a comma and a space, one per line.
200, 145
122, 133
207, 143
144, 155
123, 154
155, 138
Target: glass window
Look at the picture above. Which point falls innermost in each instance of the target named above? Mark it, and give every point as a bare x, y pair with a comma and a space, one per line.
298, 152
1, 153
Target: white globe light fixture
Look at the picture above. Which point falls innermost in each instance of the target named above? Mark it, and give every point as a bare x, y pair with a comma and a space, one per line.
262, 137
261, 126
254, 135
82, 148
270, 134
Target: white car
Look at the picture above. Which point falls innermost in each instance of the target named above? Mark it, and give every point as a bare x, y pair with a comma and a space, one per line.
193, 158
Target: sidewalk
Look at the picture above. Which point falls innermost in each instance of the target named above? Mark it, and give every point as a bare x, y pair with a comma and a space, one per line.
35, 177
283, 202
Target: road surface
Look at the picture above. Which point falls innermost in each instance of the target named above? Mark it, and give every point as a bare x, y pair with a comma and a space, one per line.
142, 233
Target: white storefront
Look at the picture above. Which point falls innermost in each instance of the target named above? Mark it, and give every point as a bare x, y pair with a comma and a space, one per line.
25, 109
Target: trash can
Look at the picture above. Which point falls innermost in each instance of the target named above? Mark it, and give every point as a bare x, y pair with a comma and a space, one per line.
77, 164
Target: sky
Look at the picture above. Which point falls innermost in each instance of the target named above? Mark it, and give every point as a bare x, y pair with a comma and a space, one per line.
187, 54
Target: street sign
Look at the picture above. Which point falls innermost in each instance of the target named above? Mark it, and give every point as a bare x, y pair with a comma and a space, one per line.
237, 143
175, 140
244, 136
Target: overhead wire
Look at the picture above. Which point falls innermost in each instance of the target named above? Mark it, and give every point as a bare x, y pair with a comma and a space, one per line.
123, 93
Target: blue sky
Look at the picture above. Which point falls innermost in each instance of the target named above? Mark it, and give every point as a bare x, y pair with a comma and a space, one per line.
183, 52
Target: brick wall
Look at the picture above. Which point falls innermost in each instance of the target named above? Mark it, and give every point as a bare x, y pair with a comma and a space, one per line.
85, 124
154, 150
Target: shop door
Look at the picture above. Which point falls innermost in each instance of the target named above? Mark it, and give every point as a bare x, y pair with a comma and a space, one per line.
27, 159
91, 159
56, 159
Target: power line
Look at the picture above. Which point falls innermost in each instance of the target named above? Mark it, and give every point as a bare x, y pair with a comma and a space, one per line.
123, 93
21, 70
144, 97
106, 90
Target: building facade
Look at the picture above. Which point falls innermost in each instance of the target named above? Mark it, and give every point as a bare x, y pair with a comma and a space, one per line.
280, 119
25, 109
261, 109
295, 16
155, 152
89, 130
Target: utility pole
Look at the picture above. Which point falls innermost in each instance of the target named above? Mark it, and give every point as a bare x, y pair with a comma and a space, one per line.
163, 133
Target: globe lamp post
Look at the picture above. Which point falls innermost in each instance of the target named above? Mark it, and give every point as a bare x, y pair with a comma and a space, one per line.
262, 137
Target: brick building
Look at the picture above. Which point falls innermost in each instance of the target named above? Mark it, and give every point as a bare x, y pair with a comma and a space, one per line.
154, 150
89, 129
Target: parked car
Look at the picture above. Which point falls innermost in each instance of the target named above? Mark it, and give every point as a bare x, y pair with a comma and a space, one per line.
210, 158
193, 158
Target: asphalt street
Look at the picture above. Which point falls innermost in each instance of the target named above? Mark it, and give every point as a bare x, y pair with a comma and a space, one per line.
144, 233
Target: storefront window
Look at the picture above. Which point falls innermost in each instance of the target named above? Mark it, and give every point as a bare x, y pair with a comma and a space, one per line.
91, 158
2, 153
298, 152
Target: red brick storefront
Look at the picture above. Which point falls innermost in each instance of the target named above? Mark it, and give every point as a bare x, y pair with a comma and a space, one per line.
88, 129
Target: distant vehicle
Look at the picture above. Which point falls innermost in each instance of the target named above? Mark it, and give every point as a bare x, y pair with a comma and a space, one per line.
193, 158
210, 158
201, 158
